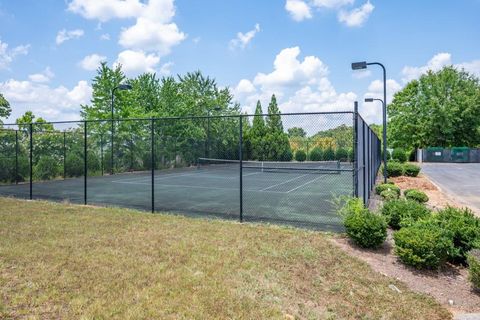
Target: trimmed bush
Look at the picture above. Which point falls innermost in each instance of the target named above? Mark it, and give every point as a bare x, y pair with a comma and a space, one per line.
347, 206
399, 154
416, 195
473, 260
464, 228
423, 245
389, 195
390, 181
329, 154
411, 170
387, 186
394, 169
399, 213
300, 155
286, 155
316, 154
366, 229
341, 154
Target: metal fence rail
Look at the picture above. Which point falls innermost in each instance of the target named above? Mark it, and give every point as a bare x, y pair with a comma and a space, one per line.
216, 166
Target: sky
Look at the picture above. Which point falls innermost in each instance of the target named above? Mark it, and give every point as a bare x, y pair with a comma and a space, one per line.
299, 50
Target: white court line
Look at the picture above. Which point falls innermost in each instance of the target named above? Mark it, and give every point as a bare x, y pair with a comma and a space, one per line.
278, 184
302, 185
200, 187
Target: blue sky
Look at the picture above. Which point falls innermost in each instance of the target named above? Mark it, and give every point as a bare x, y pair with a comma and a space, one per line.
300, 50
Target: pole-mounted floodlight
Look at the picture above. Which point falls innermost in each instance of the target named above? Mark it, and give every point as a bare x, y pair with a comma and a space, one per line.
363, 65
123, 86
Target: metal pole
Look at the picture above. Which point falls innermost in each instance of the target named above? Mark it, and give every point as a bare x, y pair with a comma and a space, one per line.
240, 154
16, 156
85, 163
152, 133
208, 135
364, 169
101, 151
112, 132
384, 124
31, 160
355, 147
64, 155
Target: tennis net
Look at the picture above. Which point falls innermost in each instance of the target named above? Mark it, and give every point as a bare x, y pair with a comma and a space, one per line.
307, 167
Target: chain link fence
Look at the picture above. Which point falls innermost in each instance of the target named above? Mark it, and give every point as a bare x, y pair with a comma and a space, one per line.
282, 168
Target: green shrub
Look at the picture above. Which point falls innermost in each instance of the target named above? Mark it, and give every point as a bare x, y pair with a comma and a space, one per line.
473, 260
316, 154
93, 163
286, 155
347, 206
387, 186
45, 169
329, 154
341, 154
399, 213
416, 195
74, 165
411, 170
300, 155
365, 228
390, 181
394, 169
389, 195
399, 155
464, 228
423, 244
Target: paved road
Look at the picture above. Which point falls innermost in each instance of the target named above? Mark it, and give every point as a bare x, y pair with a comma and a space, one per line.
459, 180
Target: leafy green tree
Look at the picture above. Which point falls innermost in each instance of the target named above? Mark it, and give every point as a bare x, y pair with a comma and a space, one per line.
440, 109
40, 123
277, 145
342, 136
296, 132
5, 109
257, 134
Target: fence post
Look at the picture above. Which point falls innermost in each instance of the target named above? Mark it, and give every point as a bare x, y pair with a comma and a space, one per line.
64, 155
152, 136
355, 149
31, 160
16, 156
101, 151
85, 163
364, 169
240, 155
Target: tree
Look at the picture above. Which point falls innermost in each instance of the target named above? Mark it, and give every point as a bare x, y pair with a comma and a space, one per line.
440, 109
5, 109
40, 123
296, 132
257, 134
277, 146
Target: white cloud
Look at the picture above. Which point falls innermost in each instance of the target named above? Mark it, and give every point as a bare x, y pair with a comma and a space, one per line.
437, 62
360, 74
91, 62
298, 10
42, 77
105, 36
472, 67
65, 35
243, 39
331, 3
357, 16
136, 62
166, 68
59, 103
106, 9
7, 56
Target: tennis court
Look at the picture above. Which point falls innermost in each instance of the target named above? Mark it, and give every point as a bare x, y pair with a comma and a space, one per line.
299, 194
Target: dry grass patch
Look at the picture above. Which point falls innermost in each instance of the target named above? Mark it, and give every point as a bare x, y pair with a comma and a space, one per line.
65, 261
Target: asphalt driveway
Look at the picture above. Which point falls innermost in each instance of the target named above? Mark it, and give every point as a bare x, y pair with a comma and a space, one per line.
460, 180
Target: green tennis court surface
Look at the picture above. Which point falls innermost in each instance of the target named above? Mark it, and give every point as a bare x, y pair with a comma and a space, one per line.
296, 197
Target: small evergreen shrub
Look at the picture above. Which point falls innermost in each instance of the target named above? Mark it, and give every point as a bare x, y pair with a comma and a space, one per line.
423, 245
341, 154
329, 154
389, 195
473, 260
399, 155
45, 169
387, 186
300, 155
316, 154
411, 170
465, 231
394, 169
366, 229
402, 212
416, 195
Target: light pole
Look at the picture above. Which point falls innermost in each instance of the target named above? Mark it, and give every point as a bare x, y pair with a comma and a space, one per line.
363, 65
119, 87
207, 149
384, 153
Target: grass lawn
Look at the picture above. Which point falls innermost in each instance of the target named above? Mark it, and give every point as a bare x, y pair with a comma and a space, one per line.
65, 261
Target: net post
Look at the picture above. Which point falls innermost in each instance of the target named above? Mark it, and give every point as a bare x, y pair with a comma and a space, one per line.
240, 155
64, 155
152, 158
355, 149
85, 162
31, 160
16, 156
